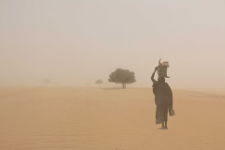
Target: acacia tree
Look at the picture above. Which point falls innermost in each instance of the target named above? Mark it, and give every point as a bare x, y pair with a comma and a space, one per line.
122, 76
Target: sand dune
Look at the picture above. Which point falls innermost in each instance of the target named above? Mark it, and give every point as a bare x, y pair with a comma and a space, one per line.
66, 118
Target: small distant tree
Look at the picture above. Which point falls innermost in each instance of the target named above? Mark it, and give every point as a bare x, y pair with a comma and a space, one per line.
122, 76
99, 82
46, 81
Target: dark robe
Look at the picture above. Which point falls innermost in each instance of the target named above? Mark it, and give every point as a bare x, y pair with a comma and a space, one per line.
163, 100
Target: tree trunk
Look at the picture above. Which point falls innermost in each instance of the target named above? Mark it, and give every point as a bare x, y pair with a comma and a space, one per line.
124, 85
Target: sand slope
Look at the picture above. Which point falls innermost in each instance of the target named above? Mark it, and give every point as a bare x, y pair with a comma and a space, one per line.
69, 118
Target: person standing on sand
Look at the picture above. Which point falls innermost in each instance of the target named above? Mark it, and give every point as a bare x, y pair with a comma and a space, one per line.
163, 100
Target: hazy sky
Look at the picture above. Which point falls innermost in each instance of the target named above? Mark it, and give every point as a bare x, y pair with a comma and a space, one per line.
75, 42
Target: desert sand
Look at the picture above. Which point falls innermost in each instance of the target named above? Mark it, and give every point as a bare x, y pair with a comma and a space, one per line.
71, 118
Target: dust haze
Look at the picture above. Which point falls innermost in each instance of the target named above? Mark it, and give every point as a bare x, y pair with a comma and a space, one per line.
56, 57
77, 42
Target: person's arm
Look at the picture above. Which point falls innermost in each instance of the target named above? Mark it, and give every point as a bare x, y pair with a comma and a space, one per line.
153, 75
171, 98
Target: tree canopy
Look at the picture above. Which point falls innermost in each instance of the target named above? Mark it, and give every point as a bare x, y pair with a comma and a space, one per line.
123, 76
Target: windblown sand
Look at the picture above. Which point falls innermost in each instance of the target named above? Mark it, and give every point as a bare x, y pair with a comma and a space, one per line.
68, 118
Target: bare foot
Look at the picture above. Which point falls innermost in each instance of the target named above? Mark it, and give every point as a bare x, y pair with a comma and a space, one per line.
163, 128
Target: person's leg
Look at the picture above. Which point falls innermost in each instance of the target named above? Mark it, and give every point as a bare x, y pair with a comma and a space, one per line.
165, 125
166, 116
